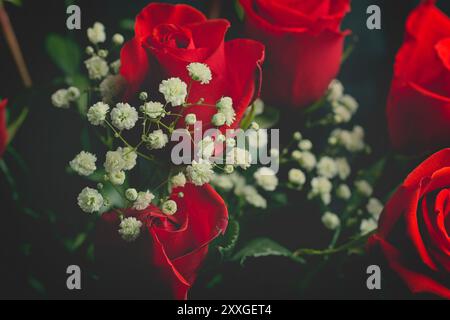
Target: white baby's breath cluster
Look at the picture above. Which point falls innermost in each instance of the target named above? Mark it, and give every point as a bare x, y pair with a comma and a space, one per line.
62, 98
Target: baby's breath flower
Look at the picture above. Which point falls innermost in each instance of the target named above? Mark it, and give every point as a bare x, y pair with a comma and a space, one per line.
96, 34
200, 172
229, 169
129, 157
200, 72
327, 168
307, 161
90, 200
368, 225
190, 119
343, 168
252, 196
143, 200
114, 161
305, 145
124, 116
60, 99
103, 53
266, 179
321, 187
331, 221
341, 113
255, 126
230, 142
84, 163
297, 177
349, 102
131, 194
153, 110
73, 93
174, 91
117, 178
343, 192
296, 155
374, 208
97, 113
130, 229
223, 181
239, 157
335, 90
97, 67
218, 119
118, 39
297, 136
89, 51
364, 188
206, 148
156, 140
225, 106
178, 180
169, 207
111, 88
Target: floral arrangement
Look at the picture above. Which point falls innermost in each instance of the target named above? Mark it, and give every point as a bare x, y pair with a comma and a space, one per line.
199, 149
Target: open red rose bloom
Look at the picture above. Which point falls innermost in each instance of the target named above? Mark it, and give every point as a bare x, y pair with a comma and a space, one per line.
170, 249
169, 37
3, 128
304, 46
418, 110
414, 231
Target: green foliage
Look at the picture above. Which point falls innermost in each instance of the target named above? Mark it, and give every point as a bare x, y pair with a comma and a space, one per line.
231, 238
64, 52
15, 2
264, 247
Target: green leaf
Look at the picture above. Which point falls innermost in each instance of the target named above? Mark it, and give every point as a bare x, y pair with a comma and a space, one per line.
65, 53
269, 118
15, 126
264, 247
127, 24
15, 2
36, 285
239, 10
75, 243
230, 239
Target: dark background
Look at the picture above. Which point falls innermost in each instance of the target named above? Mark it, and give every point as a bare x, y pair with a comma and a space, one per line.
39, 228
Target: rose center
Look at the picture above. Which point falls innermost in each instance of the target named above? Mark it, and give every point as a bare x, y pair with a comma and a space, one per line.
173, 36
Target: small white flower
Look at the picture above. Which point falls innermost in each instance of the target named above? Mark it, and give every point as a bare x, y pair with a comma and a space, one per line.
153, 110
178, 180
206, 148
297, 136
143, 200
90, 200
307, 160
297, 177
343, 192
111, 88
131, 194
230, 142
364, 188
143, 96
124, 116
353, 140
296, 155
129, 157
96, 34
331, 221
97, 67
103, 53
218, 119
335, 90
223, 182
97, 113
375, 207
350, 103
225, 106
115, 66
60, 99
169, 207
73, 93
156, 140
257, 138
130, 229
239, 157
341, 113
229, 169
343, 168
367, 226
174, 91
118, 39
84, 164
327, 168
305, 145
266, 179
252, 196
200, 72
200, 172
89, 51
114, 162
190, 119
117, 178
321, 187
255, 126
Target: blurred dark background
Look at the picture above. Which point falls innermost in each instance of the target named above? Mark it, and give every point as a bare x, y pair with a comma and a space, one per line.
40, 234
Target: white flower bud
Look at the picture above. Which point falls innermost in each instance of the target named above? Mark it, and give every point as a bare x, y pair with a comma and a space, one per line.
131, 194
97, 113
143, 200
297, 177
190, 119
118, 39
97, 34
169, 207
331, 221
178, 180
218, 119
117, 178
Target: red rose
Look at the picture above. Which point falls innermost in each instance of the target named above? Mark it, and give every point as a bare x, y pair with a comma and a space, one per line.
418, 108
304, 46
3, 128
169, 37
414, 230
170, 249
